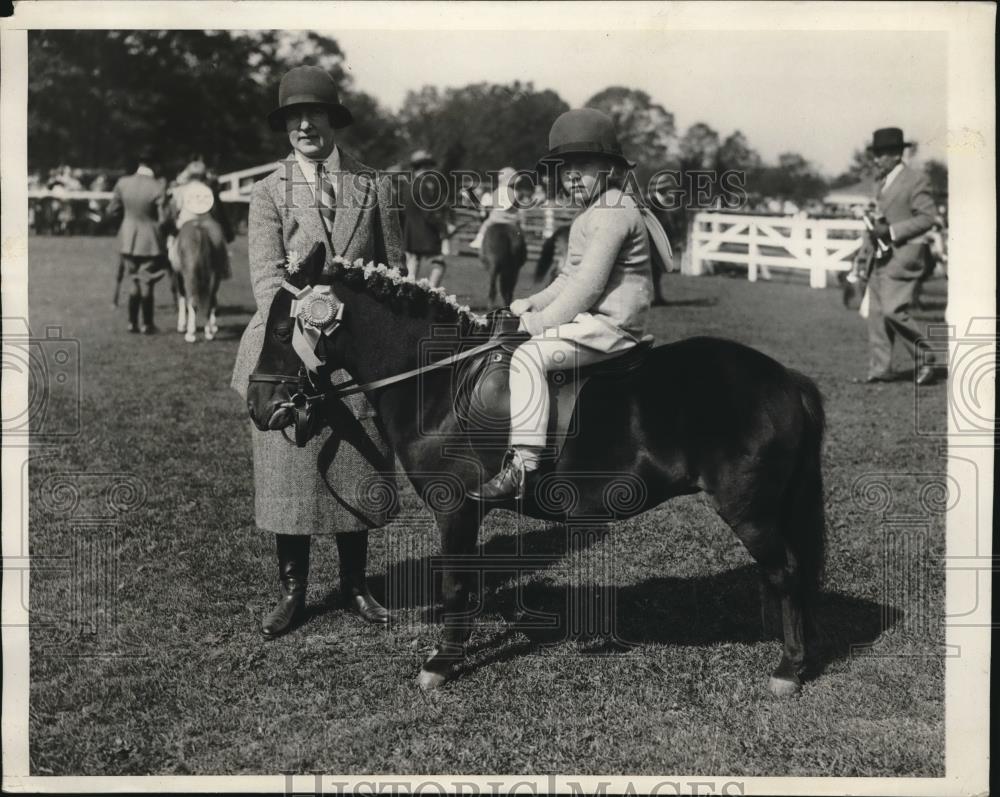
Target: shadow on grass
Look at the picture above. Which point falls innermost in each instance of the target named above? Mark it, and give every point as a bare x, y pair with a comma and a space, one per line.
707, 610
608, 618
413, 583
700, 301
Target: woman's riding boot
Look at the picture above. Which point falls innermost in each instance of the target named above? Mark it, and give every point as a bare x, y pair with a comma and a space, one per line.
293, 572
353, 549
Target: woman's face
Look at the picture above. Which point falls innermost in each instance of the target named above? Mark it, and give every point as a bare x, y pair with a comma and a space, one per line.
582, 175
309, 131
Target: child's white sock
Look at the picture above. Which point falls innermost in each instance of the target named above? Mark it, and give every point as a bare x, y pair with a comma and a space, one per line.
530, 456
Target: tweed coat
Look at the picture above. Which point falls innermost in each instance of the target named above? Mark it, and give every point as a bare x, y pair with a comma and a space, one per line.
909, 209
334, 482
143, 199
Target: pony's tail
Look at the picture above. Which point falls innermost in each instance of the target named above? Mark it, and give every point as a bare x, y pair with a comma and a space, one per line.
805, 517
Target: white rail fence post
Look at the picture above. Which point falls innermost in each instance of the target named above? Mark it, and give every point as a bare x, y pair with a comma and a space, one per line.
761, 243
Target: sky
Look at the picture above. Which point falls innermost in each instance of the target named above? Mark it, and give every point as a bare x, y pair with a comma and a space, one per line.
819, 93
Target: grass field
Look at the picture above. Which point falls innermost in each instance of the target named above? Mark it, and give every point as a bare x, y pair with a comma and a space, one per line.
149, 580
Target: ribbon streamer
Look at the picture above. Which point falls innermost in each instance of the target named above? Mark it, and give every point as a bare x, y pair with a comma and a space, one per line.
305, 337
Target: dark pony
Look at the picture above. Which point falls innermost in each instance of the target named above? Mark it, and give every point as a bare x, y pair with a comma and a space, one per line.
503, 253
554, 250
700, 414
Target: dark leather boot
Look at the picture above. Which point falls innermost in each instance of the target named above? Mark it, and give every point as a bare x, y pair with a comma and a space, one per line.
293, 572
353, 549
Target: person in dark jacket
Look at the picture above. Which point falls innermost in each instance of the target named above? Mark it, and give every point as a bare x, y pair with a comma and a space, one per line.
425, 219
141, 199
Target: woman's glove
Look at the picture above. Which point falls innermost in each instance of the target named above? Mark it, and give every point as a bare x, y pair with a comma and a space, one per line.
520, 306
532, 323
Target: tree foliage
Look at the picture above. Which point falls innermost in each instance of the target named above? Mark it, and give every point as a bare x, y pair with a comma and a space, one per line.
96, 97
481, 126
645, 128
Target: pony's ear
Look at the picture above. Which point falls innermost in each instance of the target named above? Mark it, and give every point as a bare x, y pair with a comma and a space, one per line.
309, 269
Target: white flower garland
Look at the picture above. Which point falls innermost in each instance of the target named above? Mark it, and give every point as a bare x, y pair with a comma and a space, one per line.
397, 277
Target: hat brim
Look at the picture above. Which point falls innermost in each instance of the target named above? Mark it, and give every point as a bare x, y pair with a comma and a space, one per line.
423, 162
340, 117
904, 145
560, 153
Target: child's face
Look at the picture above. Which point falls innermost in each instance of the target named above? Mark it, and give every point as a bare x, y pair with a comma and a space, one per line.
581, 176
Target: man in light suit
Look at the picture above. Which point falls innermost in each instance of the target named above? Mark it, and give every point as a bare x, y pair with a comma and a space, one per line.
907, 211
319, 194
141, 197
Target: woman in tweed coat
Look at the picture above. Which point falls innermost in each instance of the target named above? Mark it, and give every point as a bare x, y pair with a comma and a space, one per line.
326, 487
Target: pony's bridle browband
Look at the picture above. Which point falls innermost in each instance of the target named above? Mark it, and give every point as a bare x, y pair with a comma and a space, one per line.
302, 400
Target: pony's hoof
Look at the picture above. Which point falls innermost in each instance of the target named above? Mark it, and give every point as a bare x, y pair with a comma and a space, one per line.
430, 680
181, 327
784, 687
191, 338
209, 335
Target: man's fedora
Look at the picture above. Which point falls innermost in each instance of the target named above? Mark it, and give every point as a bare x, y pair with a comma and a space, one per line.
583, 131
308, 85
888, 139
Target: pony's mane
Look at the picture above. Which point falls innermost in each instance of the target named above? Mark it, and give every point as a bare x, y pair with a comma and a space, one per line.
417, 299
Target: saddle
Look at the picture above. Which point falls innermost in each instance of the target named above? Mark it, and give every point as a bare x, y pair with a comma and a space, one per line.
482, 395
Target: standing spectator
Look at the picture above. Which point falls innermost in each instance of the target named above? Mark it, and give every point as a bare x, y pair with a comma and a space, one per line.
906, 211
425, 220
320, 195
141, 197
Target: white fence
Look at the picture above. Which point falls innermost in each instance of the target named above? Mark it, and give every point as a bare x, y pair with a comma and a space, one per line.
759, 242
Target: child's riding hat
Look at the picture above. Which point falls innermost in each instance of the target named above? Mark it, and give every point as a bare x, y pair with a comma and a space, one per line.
308, 85
583, 131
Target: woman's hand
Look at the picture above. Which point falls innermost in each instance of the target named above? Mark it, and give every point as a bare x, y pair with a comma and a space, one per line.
520, 306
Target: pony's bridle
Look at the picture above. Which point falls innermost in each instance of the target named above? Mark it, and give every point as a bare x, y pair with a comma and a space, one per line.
315, 312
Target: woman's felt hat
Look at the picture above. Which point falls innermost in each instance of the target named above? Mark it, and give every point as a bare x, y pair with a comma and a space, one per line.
308, 85
583, 131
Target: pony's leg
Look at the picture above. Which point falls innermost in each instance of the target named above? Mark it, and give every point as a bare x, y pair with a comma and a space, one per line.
211, 327
779, 587
192, 322
459, 532
177, 283
494, 276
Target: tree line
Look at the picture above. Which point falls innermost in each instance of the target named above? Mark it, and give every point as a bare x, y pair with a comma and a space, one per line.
95, 98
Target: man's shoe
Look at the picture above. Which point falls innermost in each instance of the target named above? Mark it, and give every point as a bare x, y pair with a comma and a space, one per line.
363, 604
507, 485
133, 329
927, 375
293, 571
150, 329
